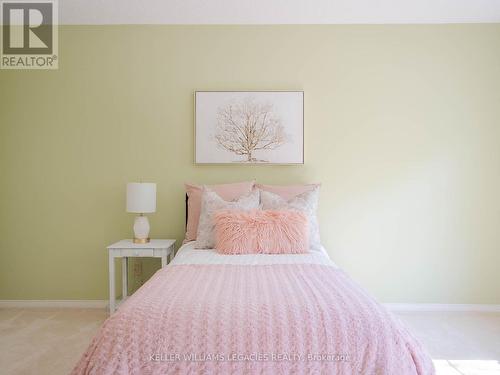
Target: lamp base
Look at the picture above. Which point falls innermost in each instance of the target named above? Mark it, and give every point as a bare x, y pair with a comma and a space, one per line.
141, 240
141, 229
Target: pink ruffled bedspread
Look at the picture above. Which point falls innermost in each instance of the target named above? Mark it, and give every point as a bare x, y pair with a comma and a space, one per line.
253, 319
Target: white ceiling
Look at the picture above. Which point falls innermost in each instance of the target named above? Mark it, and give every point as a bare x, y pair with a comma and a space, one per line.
277, 11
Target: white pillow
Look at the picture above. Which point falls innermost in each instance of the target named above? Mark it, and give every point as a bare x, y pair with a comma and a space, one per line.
211, 202
306, 202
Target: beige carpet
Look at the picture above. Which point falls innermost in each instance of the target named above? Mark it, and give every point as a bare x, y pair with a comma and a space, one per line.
50, 341
459, 343
45, 341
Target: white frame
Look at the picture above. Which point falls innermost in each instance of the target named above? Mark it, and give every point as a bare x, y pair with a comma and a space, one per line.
196, 162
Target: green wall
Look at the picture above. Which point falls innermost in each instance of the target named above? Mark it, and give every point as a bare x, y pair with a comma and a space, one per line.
402, 127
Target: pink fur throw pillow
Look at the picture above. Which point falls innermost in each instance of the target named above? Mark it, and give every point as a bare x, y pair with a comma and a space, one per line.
261, 232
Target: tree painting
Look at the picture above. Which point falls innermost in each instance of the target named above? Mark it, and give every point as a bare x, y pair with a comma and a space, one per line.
248, 126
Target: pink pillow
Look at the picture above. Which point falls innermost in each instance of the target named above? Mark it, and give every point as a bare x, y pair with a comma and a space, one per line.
228, 192
287, 192
261, 232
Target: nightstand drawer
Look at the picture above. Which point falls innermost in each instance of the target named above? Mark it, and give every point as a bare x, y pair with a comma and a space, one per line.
137, 252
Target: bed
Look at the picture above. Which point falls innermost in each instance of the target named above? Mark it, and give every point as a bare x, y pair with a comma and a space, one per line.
207, 313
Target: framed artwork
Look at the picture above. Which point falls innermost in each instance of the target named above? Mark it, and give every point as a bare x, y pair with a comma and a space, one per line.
249, 127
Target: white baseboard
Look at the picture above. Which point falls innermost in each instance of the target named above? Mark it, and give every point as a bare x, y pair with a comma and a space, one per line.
64, 303
395, 307
440, 307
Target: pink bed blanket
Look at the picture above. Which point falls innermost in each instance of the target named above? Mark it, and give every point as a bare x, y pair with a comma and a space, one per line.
253, 319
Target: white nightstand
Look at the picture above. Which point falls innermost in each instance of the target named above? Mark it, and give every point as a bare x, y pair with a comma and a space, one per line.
127, 248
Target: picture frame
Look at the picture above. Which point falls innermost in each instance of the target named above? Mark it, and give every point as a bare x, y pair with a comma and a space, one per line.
249, 127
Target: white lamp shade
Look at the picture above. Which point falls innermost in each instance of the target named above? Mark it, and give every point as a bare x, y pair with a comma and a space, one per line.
141, 197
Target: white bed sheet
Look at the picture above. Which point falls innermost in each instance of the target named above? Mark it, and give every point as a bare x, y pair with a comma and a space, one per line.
187, 254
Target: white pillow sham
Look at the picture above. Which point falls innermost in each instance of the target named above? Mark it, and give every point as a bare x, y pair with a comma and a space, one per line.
306, 202
211, 202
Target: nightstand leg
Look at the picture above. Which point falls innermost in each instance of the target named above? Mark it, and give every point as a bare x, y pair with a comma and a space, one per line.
163, 261
124, 278
111, 284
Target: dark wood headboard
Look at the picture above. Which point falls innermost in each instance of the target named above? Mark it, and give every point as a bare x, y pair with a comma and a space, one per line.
186, 210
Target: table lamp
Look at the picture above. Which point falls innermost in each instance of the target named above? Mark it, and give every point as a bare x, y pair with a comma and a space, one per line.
141, 199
